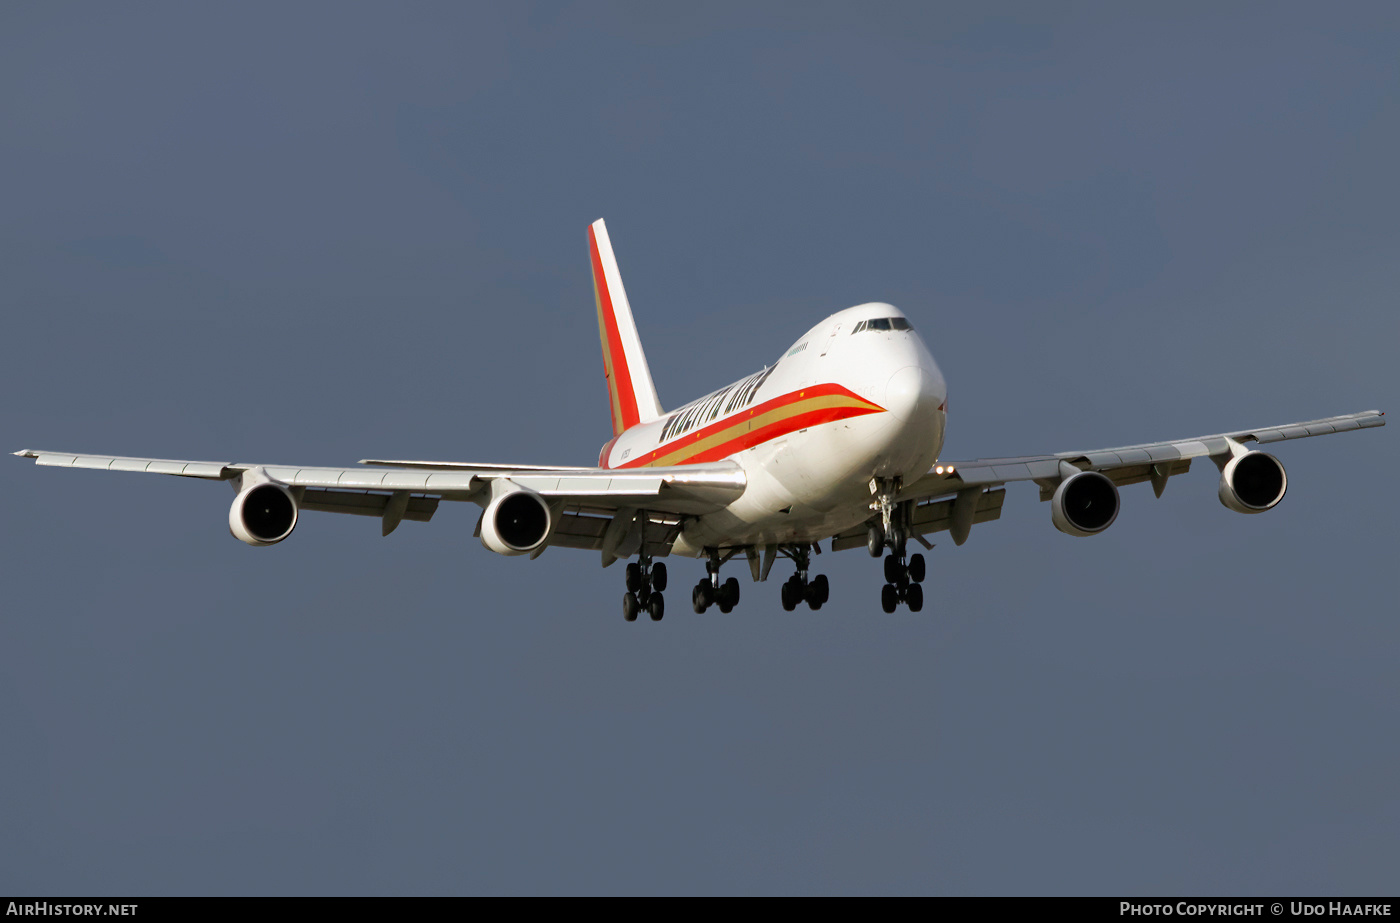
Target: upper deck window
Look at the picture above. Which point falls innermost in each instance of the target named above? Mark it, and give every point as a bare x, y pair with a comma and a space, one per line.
882, 323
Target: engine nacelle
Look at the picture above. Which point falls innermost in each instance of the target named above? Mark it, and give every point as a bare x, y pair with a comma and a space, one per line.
515, 522
1084, 504
263, 514
1252, 482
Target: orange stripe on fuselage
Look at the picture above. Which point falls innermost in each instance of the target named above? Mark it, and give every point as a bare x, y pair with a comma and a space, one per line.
753, 426
620, 394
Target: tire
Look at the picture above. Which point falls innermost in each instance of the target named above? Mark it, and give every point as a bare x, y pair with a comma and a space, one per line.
916, 568
629, 606
789, 597
707, 592
889, 598
634, 577
892, 569
658, 577
725, 609
914, 597
697, 601
729, 593
875, 540
656, 606
823, 589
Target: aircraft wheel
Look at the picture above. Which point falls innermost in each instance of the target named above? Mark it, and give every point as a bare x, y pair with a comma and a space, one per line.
875, 539
629, 606
789, 596
914, 597
892, 569
658, 577
889, 598
916, 568
656, 606
823, 588
729, 593
814, 599
725, 608
634, 577
697, 600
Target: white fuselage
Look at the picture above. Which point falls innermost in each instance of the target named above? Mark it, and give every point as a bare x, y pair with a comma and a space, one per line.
857, 397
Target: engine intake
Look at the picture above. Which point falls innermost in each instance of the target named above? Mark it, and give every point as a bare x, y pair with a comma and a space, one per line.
1252, 482
515, 522
263, 514
1084, 504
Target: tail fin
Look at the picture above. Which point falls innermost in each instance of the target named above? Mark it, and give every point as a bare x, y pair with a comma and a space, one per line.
630, 390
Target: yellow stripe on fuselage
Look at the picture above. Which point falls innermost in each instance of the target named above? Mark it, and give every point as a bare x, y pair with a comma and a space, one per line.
680, 451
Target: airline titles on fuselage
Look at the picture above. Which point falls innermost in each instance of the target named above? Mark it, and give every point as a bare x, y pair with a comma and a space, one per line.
707, 409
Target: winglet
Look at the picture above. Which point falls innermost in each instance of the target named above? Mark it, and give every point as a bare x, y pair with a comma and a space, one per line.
630, 389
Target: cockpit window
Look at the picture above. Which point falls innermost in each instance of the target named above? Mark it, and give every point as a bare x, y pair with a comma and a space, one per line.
882, 323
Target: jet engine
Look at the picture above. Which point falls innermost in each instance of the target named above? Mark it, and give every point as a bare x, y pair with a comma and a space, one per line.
263, 514
1252, 482
1084, 504
515, 522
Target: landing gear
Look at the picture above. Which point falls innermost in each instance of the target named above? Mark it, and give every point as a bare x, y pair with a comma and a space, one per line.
798, 589
645, 581
875, 539
728, 596
709, 591
902, 581
702, 597
791, 593
890, 528
916, 568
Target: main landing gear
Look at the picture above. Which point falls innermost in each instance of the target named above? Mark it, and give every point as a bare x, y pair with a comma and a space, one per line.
645, 581
798, 588
902, 583
709, 591
903, 576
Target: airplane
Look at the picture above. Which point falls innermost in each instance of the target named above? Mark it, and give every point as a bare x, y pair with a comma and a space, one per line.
838, 441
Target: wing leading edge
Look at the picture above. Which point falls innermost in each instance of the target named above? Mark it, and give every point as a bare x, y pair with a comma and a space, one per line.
972, 484
587, 498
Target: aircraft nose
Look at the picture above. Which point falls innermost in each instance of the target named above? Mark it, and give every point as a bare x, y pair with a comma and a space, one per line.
912, 391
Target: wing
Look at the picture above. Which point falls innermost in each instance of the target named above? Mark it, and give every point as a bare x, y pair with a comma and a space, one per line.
956, 495
587, 499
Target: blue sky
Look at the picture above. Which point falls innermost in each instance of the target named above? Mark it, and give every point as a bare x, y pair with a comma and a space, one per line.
326, 232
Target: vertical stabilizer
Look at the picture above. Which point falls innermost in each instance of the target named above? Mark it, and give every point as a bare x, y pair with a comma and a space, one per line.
630, 390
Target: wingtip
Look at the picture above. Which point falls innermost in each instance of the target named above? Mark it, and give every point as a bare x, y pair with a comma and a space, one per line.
26, 453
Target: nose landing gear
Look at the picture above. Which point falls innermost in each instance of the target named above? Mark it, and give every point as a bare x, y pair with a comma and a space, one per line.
903, 576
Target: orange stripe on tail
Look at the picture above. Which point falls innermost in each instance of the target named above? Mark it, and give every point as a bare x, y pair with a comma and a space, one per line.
631, 394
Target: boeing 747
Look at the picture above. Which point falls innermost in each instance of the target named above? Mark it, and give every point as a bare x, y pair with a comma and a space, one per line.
839, 441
